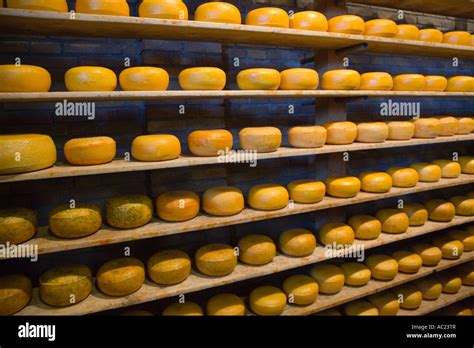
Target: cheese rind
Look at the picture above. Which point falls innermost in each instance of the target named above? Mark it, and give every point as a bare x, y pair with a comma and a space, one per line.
381, 27
177, 206
449, 169
407, 32
299, 79
375, 182
341, 133
17, 225
24, 78
81, 221
169, 267
15, 293
267, 301
400, 130
329, 277
427, 127
410, 296
156, 147
431, 35
430, 254
376, 81
342, 187
440, 210
309, 20
372, 132
143, 78
464, 205
216, 260
129, 211
223, 201
163, 9
409, 82
467, 164
466, 237
260, 139
408, 262
218, 12
268, 197
386, 302
393, 220
256, 250
465, 125
121, 277
346, 79
435, 83
451, 283
202, 79
346, 24
225, 305
427, 172
259, 79
297, 242
210, 143
356, 274
39, 5
460, 84
449, 126
403, 177
268, 17
301, 290
382, 267
336, 233
430, 288
417, 213
103, 7
451, 248
90, 79
306, 191
462, 38
307, 136
90, 151
365, 227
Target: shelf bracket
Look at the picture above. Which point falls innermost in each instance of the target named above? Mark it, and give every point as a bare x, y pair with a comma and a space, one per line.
350, 49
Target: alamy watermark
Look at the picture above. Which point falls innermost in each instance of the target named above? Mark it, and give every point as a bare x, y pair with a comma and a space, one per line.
75, 109
409, 109
237, 156
22, 251
336, 250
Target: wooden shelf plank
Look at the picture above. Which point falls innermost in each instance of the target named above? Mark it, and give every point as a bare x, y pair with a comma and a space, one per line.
60, 24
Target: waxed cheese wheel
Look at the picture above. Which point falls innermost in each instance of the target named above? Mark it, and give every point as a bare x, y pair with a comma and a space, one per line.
365, 227
103, 7
427, 128
129, 211
435, 83
223, 201
169, 267
466, 273
299, 79
121, 277
90, 151
382, 267
268, 197
449, 126
457, 309
451, 283
466, 237
307, 136
17, 225
216, 260
403, 177
427, 172
309, 20
15, 293
465, 125
393, 220
346, 24
156, 147
431, 35
462, 38
409, 295
430, 254
381, 27
341, 133
376, 81
342, 187
430, 287
80, 221
361, 308
260, 139
205, 79
355, 274
408, 262
467, 164
440, 210
256, 250
336, 233
225, 305
449, 169
267, 301
451, 248
460, 84
297, 242
329, 277
144, 78
90, 79
306, 191
24, 78
407, 32
417, 213
259, 79
386, 302
163, 9
301, 290
186, 309
409, 82
38, 5
176, 206
210, 143
372, 132
341, 80
464, 205
218, 12
268, 17
375, 182
400, 130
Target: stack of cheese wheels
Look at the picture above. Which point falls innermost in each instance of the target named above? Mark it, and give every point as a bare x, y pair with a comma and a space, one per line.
427, 172
407, 32
361, 308
375, 182
431, 35
372, 132
381, 27
301, 290
268, 17
268, 197
341, 80
297, 242
17, 225
342, 187
218, 12
24, 153
121, 277
341, 133
260, 139
393, 220
306, 191
449, 125
90, 79
347, 24
103, 7
39, 5
376, 81
417, 213
216, 260
409, 82
365, 227
307, 136
164, 9
65, 285
259, 79
465, 125
451, 283
175, 206
465, 236
403, 177
130, 211
15, 293
410, 296
256, 250
462, 38
382, 267
464, 205
430, 254
386, 303
81, 221
329, 277
336, 233
185, 309
156, 147
435, 83
427, 127
299, 79
449, 169
225, 305
460, 84
205, 79
309, 20
430, 288
24, 78
467, 164
223, 201
355, 274
169, 267
400, 130
209, 143
144, 78
267, 301
440, 210
408, 262
90, 151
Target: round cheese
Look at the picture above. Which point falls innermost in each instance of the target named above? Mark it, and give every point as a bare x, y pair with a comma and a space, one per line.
465, 125
120, 277
365, 227
268, 197
341, 133
216, 260
202, 79
90, 151
103, 7
336, 233
299, 79
361, 308
355, 274
375, 182
460, 84
466, 162
260, 139
430, 288
306, 191
449, 126
449, 169
440, 210
15, 293
130, 211
210, 143
307, 136
435, 83
466, 272
144, 78
225, 305
431, 35
381, 27
259, 79
451, 282
342, 187
400, 130
17, 225
256, 249
341, 80
407, 32
466, 237
267, 301
38, 5
409, 82
427, 172
218, 12
347, 24
163, 9
186, 309
176, 206
451, 248
81, 221
458, 309
382, 267
417, 213
156, 147
301, 290
376, 81
386, 302
427, 127
462, 38
309, 20
169, 267
268, 17
408, 262
297, 242
409, 295
372, 132
430, 254
24, 78
403, 177
223, 201
90, 79
329, 277
393, 220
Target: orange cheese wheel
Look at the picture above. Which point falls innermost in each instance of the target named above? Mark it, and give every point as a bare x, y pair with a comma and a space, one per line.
209, 143
307, 136
467, 164
268, 17
365, 227
409, 82
430, 287
156, 147
417, 213
410, 296
427, 127
259, 79
329, 277
216, 260
169, 267
218, 12
449, 169
408, 262
336, 233
306, 191
403, 177
375, 182
346, 24
451, 283
90, 151
465, 125
120, 277
342, 187
256, 249
382, 267
164, 9
260, 139
427, 172
449, 126
267, 301
393, 220
301, 289
297, 242
90, 79
341, 133
268, 197
223, 201
103, 7
175, 206
407, 32
462, 38
464, 205
466, 237
225, 305
341, 80
183, 309
143, 78
17, 225
435, 83
309, 20
431, 35
205, 79
376, 81
299, 79
24, 78
372, 132
430, 254
400, 130
38, 5
451, 248
440, 210
360, 308
129, 211
15, 293
381, 27
460, 84
386, 302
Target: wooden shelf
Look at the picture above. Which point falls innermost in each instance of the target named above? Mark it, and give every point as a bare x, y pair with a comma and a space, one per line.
60, 24
47, 243
117, 166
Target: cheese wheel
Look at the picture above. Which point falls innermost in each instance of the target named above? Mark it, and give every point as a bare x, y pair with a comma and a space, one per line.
268, 17
144, 78
267, 301
457, 309
409, 82
375, 182
430, 254
440, 210
309, 20
301, 290
466, 237
449, 126
176, 206
400, 130
336, 233
451, 248
460, 84
346, 24
451, 283
90, 151
435, 83
259, 79
90, 79
225, 305
163, 9
361, 308
223, 201
260, 139
407, 32
427, 127
329, 277
376, 81
256, 249
268, 197
386, 302
382, 267
365, 227
216, 260
417, 213
393, 220
202, 79
465, 125
381, 27
342, 187
81, 221
297, 242
307, 136
17, 225
120, 277
299, 79
462, 38
466, 162
306, 191
449, 169
431, 35
409, 295
372, 132
103, 7
210, 143
403, 177
355, 274
341, 133
427, 172
331, 312
430, 288
156, 147
39, 5
169, 267
218, 12
15, 293
137, 313
408, 262
24, 153
341, 80
466, 272
186, 309
65, 285
130, 211
24, 78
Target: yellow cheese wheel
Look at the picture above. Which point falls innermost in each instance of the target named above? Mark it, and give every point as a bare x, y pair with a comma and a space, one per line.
409, 295
361, 308
386, 302
431, 35
466, 162
462, 38
259, 79
408, 262
466, 272
460, 84
17, 225
225, 305
375, 182
143, 78
449, 126
186, 309
209, 143
430, 254
458, 309
342, 187
355, 274
15, 293
451, 283
169, 267
409, 82
336, 233
372, 132
341, 80
465, 125
156, 147
451, 248
130, 211
376, 81
223, 201
103, 7
306, 191
256, 249
205, 79
400, 130
65, 285
307, 136
331, 312
449, 169
137, 313
435, 83
381, 27
365, 226
440, 210
267, 301
407, 32
260, 139
39, 5
297, 242
330, 278
417, 213
382, 267
90, 79
216, 260
177, 206
341, 133
427, 172
466, 237
430, 288
81, 221
24, 78
309, 20
403, 177
393, 220
163, 9
120, 277
427, 127
347, 24
90, 151
299, 79
218, 12
268, 197
301, 290
268, 17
